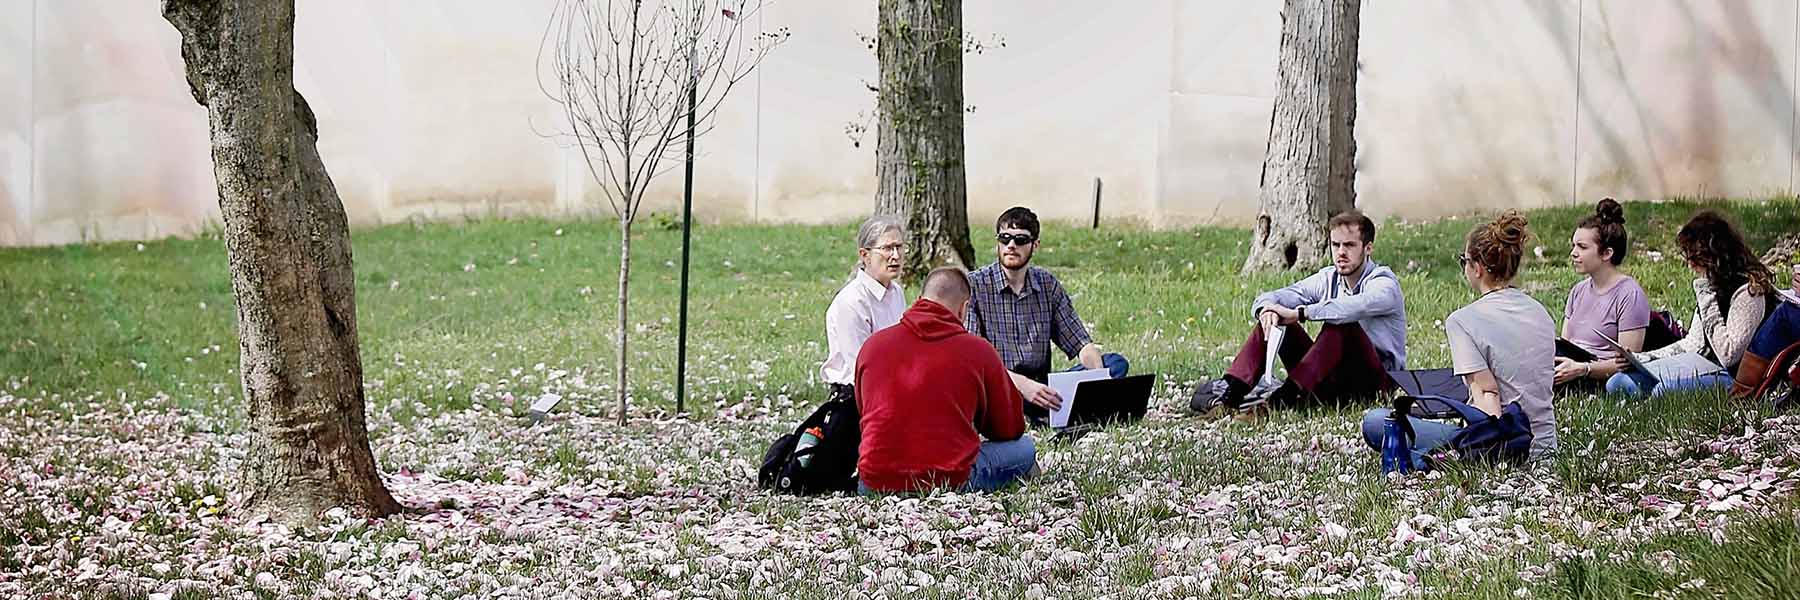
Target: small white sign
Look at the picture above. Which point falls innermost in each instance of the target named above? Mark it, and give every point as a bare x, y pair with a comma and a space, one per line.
543, 405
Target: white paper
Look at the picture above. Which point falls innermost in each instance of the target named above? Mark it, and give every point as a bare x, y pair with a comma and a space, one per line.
1681, 366
1064, 383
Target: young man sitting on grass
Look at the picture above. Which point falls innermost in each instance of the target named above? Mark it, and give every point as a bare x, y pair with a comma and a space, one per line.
929, 392
1022, 309
1364, 333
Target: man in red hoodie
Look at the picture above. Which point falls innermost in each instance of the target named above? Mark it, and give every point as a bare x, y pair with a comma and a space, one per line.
929, 391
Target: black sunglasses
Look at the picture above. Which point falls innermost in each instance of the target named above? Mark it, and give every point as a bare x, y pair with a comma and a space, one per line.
1016, 239
1463, 259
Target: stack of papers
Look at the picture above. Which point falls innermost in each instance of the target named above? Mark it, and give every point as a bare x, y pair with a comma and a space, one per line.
1065, 383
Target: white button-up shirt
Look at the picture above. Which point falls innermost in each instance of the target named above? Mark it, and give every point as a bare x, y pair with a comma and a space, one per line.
862, 308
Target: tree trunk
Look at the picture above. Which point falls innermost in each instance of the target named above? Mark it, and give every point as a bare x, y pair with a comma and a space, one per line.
624, 304
288, 244
1309, 170
919, 139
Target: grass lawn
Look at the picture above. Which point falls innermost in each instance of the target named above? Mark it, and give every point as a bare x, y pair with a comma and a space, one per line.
119, 437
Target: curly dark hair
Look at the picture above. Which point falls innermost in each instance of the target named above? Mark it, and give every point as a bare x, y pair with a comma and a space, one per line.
1711, 242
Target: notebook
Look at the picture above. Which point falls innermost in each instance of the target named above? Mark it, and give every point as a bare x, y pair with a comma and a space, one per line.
1680, 366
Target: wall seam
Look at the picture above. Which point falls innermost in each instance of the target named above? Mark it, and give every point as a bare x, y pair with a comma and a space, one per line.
756, 146
1794, 111
1575, 136
26, 236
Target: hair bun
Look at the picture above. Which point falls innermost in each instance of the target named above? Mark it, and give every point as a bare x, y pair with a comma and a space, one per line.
1610, 211
1510, 228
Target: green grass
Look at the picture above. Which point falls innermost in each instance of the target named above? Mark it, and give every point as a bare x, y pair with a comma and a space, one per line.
107, 319
1758, 561
90, 325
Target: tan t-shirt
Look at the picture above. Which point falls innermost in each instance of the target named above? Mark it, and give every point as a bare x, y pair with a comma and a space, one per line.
1510, 334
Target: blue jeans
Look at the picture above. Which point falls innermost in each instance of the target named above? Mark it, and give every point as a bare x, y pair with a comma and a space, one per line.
1780, 330
1427, 435
1115, 363
1639, 385
997, 465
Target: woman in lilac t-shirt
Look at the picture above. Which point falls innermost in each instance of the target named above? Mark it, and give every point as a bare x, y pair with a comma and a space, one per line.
1608, 301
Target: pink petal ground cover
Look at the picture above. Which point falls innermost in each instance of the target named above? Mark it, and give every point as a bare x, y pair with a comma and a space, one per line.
134, 498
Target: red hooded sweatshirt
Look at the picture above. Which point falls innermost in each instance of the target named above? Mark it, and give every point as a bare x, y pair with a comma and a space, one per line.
928, 391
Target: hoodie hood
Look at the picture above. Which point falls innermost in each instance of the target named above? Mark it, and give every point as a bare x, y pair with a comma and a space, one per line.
930, 321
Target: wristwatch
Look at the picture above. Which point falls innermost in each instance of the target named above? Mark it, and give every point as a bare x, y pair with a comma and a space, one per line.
1301, 311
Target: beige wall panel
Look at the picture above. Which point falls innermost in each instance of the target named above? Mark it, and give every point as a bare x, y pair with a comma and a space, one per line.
433, 110
1465, 105
1686, 98
16, 56
1222, 87
120, 146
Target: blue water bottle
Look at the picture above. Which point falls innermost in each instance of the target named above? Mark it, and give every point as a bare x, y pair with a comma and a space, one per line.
1397, 439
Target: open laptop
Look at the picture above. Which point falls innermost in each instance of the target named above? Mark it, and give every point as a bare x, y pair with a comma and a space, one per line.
1430, 389
1099, 402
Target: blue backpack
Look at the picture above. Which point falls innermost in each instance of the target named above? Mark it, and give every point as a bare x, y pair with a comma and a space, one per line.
1486, 438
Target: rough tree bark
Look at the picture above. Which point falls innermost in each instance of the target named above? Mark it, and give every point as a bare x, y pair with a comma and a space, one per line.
288, 243
1309, 170
919, 136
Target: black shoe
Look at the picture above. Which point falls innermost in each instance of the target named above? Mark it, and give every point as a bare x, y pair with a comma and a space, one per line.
1290, 395
1213, 399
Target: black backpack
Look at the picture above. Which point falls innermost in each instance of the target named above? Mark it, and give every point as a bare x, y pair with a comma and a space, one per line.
832, 466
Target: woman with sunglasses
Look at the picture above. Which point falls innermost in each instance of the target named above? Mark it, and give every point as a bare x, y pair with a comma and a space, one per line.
1607, 304
871, 301
1501, 344
1732, 295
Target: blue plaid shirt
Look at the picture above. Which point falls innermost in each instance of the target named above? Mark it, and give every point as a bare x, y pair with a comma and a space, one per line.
1022, 326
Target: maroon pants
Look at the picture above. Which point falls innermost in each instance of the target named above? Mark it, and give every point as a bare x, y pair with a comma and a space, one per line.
1341, 365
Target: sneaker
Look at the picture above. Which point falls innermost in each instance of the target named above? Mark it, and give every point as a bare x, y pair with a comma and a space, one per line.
1210, 398
1264, 390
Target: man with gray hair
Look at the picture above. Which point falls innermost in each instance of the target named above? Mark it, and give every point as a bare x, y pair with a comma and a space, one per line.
929, 392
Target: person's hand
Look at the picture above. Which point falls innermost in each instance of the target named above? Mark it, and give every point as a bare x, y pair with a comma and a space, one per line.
1269, 318
1618, 365
1568, 370
1041, 395
1281, 315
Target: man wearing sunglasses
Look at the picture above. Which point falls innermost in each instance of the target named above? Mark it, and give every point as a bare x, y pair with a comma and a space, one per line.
1364, 333
1022, 310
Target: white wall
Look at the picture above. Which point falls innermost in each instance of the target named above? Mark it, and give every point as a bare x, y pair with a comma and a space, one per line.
431, 109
